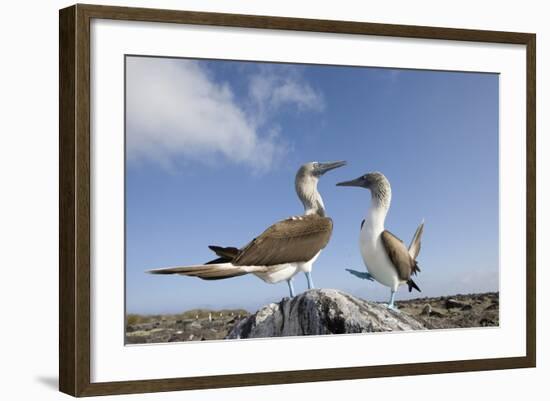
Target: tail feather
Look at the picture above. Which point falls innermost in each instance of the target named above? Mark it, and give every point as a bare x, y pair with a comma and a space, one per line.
415, 269
412, 285
229, 252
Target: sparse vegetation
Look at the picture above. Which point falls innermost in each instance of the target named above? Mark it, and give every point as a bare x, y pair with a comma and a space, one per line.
191, 325
471, 310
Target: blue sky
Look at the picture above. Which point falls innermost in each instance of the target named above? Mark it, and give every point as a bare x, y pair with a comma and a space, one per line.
213, 147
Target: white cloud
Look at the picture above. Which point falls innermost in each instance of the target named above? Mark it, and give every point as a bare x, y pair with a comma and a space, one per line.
271, 91
175, 108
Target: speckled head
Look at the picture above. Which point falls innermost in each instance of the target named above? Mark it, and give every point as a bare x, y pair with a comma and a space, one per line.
376, 182
306, 184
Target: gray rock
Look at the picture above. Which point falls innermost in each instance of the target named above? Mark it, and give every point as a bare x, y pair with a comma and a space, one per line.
453, 303
323, 311
437, 314
427, 310
486, 322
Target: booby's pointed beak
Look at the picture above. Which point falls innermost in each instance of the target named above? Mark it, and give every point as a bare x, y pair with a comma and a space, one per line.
358, 182
322, 168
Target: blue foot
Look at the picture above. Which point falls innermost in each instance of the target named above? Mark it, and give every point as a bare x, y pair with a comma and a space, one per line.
361, 275
391, 305
393, 308
291, 288
309, 281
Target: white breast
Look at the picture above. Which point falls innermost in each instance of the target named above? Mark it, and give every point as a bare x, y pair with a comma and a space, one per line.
376, 259
279, 273
307, 266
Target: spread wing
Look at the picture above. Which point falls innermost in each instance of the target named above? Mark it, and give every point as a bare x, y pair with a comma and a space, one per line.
399, 255
210, 271
414, 247
297, 239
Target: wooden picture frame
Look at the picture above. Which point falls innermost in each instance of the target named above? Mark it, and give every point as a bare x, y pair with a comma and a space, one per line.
74, 203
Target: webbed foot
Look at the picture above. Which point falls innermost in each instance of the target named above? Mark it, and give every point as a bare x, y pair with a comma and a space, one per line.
393, 308
361, 275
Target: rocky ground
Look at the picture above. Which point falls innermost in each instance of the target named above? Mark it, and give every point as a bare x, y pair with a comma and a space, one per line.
323, 311
457, 311
193, 325
316, 312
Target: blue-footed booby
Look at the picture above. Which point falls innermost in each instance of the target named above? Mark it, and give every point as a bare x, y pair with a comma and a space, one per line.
284, 249
387, 259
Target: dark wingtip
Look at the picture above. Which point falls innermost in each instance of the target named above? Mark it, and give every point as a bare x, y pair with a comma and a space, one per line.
412, 285
156, 271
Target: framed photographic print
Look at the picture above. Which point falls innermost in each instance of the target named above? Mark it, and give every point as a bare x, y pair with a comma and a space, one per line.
250, 200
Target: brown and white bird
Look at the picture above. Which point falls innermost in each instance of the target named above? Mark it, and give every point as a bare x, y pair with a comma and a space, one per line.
284, 249
387, 258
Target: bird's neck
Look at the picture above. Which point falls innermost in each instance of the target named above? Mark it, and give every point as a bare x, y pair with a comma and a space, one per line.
376, 214
310, 196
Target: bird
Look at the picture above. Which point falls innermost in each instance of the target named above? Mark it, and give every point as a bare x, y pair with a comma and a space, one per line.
386, 257
284, 249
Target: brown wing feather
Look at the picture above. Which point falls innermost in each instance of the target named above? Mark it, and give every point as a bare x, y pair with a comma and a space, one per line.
295, 239
399, 256
414, 247
209, 271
